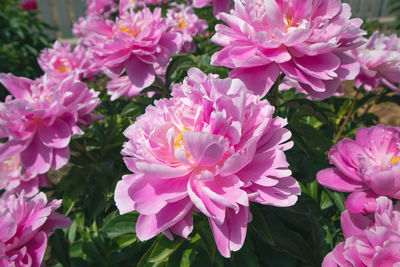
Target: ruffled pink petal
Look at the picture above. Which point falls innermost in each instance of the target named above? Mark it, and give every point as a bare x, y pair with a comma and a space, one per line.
257, 79
37, 157
58, 135
230, 235
141, 74
334, 179
149, 226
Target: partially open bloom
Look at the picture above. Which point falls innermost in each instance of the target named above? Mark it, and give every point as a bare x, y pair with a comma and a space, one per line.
25, 227
368, 167
139, 42
305, 40
379, 58
370, 241
218, 5
41, 118
212, 148
60, 60
182, 19
14, 180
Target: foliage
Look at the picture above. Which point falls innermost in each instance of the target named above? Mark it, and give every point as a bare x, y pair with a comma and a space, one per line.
22, 36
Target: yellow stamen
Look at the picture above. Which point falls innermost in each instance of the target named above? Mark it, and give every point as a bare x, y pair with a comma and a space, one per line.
182, 25
179, 142
124, 29
288, 21
62, 68
394, 160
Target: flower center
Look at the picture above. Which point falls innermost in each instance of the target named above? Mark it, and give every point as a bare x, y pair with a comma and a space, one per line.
9, 164
288, 21
62, 68
394, 160
181, 24
129, 31
179, 142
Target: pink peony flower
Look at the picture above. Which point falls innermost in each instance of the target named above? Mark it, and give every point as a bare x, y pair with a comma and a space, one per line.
29, 5
25, 226
211, 148
13, 180
379, 58
182, 19
41, 119
139, 42
370, 241
218, 5
368, 167
60, 60
305, 40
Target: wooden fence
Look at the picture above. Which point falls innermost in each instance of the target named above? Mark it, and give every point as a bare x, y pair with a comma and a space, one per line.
62, 13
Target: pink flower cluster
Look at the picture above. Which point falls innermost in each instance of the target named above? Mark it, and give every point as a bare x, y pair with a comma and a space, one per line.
379, 58
182, 19
25, 227
368, 167
212, 148
370, 241
138, 43
305, 40
59, 60
41, 116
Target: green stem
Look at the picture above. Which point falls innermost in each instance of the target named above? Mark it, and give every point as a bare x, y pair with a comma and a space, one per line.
275, 90
346, 120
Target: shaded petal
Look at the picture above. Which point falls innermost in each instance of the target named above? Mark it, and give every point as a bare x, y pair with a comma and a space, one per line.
140, 73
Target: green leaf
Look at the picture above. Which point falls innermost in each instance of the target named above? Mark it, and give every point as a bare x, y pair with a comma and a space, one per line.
164, 248
125, 240
188, 257
60, 247
326, 202
120, 225
259, 225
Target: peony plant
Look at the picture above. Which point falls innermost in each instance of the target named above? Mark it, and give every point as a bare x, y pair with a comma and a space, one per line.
245, 140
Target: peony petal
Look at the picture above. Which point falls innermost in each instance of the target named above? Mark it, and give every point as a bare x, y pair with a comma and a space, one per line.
141, 74
257, 79
57, 135
334, 179
148, 226
37, 157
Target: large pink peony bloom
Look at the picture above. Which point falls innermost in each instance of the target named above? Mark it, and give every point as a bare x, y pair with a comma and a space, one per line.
370, 241
60, 60
14, 180
41, 119
379, 58
305, 40
212, 148
182, 19
25, 226
139, 42
368, 166
218, 5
